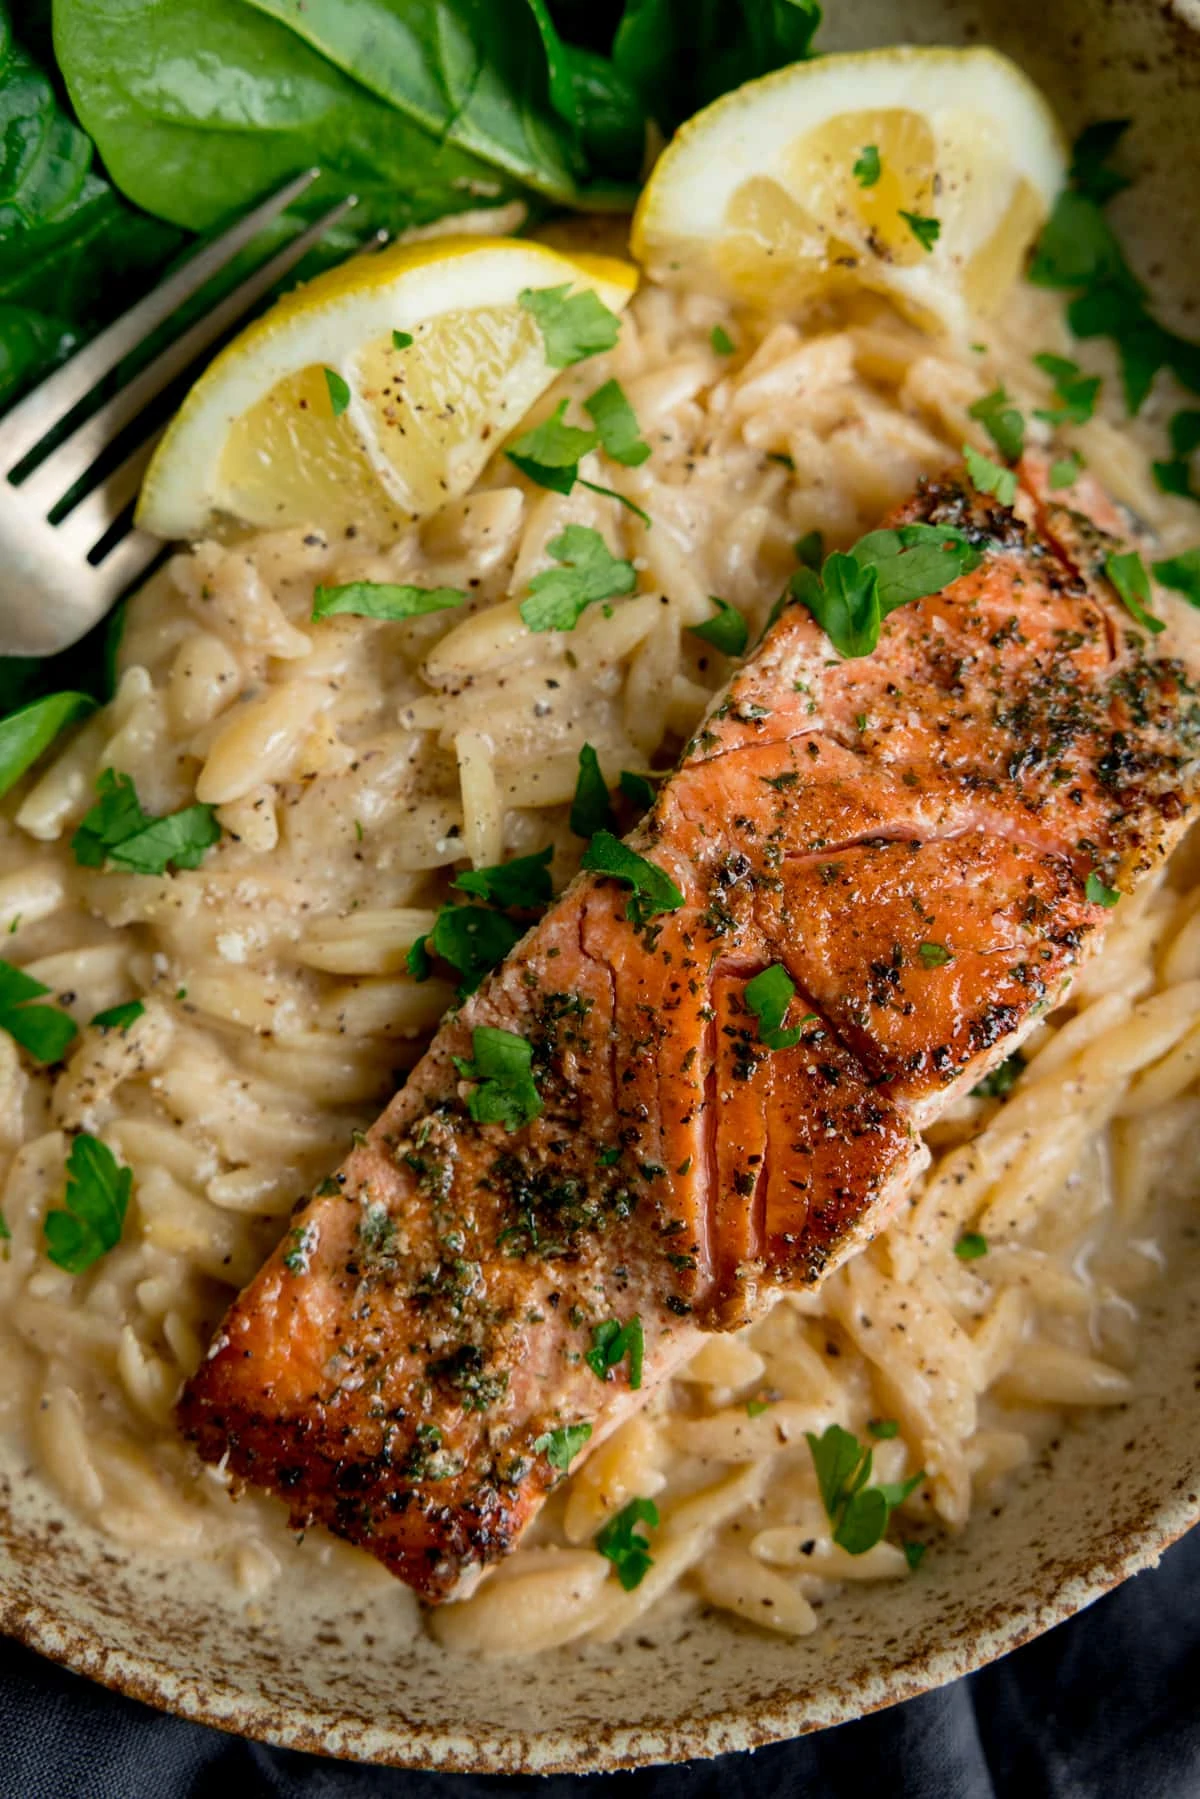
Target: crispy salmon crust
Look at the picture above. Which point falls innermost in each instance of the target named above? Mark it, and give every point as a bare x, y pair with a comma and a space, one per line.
910, 835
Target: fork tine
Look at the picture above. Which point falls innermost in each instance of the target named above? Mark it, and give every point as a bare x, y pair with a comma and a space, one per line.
75, 455
98, 511
126, 562
33, 417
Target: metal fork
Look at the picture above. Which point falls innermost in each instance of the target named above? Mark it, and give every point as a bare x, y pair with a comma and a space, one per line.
58, 578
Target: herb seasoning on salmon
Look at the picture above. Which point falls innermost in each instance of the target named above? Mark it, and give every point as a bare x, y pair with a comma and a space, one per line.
700, 1080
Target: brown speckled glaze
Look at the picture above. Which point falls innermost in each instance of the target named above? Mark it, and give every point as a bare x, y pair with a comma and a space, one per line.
305, 1670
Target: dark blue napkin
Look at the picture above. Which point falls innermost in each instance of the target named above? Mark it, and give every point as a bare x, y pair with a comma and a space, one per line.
1105, 1707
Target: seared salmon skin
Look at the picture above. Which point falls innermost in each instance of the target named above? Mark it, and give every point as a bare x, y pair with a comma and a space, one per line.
689, 1090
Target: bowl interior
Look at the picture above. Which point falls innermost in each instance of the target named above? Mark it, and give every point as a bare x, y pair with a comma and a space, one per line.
300, 1668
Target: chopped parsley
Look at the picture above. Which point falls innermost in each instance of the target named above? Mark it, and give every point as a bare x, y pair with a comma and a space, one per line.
29, 731
612, 1341
1002, 1079
970, 1246
1078, 251
638, 789
466, 1373
573, 326
926, 231
1127, 572
301, 1241
383, 599
721, 341
1002, 422
988, 476
768, 996
96, 1200
868, 167
1066, 470
727, 630
854, 592
43, 1031
622, 499
1097, 893
339, 392
619, 1541
858, 1512
653, 889
914, 1554
524, 883
117, 831
616, 425
561, 1446
884, 1428
506, 1092
551, 452
472, 939
1076, 391
119, 1018
1175, 476
810, 549
934, 955
588, 571
401, 340
844, 600
591, 808
1089, 172
1181, 574
756, 1407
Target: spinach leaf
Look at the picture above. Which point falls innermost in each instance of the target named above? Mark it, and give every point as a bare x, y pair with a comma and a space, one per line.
680, 54
71, 254
600, 106
200, 107
468, 71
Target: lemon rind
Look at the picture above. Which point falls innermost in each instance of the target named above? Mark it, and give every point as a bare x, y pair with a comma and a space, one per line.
326, 322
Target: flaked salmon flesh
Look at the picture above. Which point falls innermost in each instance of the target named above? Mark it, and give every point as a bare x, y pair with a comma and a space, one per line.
910, 835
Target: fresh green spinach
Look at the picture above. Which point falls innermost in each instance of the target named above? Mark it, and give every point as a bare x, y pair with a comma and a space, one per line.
421, 107
71, 253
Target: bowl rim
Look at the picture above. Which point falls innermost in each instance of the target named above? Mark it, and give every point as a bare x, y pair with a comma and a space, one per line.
613, 1747
1082, 1578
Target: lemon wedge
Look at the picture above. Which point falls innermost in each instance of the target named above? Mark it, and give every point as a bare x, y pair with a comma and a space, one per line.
919, 173
372, 394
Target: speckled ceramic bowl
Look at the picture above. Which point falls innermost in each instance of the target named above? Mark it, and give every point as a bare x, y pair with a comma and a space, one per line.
1120, 1487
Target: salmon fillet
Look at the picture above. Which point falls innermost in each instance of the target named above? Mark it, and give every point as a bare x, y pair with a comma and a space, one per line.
910, 836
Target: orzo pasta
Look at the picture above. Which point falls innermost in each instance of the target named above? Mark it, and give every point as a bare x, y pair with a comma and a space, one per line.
354, 765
